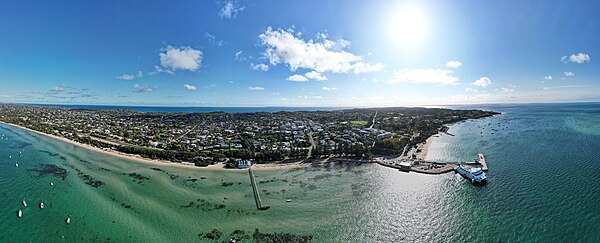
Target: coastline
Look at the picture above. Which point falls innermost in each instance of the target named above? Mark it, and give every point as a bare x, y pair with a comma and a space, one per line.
139, 159
424, 147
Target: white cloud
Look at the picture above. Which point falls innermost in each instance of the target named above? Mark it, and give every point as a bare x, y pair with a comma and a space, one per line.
507, 90
321, 56
213, 39
239, 57
57, 89
483, 82
139, 74
328, 88
230, 9
361, 67
315, 75
190, 87
310, 97
126, 77
564, 59
297, 78
142, 89
453, 64
259, 67
184, 58
470, 90
549, 77
256, 88
577, 58
569, 74
428, 75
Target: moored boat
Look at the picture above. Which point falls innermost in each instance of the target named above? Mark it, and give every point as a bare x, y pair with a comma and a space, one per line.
42, 205
24, 203
475, 175
20, 213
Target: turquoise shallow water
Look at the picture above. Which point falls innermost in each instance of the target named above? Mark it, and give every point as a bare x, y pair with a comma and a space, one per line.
543, 187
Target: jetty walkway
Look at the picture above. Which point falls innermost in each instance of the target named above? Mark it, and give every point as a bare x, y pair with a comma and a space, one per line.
259, 204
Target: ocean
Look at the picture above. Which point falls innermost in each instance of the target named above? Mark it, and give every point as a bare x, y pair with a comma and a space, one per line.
542, 187
193, 108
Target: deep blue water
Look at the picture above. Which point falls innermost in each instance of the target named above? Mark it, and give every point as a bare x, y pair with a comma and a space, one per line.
193, 108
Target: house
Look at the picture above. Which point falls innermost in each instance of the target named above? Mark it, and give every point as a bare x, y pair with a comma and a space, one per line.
242, 164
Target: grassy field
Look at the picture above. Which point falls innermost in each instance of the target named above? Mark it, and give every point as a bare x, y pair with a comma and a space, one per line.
359, 122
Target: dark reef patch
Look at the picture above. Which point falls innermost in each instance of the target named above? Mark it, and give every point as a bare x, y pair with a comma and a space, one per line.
91, 181
226, 184
138, 177
49, 153
20, 145
203, 205
257, 236
50, 169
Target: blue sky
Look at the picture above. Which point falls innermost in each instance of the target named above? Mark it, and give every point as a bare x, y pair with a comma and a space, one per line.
299, 53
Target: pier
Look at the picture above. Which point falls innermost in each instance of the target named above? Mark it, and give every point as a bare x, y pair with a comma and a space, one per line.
428, 167
259, 204
481, 161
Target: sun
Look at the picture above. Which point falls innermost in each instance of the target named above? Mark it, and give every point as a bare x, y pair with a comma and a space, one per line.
408, 26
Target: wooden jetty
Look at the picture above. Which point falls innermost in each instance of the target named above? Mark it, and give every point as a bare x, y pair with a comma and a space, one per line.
259, 204
481, 161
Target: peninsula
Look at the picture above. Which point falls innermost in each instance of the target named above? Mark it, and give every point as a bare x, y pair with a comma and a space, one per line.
202, 139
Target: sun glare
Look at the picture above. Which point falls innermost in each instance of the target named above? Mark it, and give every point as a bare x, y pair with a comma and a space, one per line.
408, 26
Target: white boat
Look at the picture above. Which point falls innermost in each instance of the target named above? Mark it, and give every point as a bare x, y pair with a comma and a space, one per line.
475, 175
52, 184
42, 205
17, 165
289, 200
20, 213
24, 203
68, 220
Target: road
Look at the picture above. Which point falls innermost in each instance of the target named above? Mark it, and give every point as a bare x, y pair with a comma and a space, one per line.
373, 123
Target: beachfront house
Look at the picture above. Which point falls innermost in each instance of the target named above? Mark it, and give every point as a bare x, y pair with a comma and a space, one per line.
242, 164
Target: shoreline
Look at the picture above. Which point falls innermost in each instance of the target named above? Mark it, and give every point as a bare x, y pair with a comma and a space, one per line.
424, 147
139, 159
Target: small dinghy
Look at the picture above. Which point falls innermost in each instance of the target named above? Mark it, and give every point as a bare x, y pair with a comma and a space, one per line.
52, 184
24, 203
68, 220
42, 205
20, 213
17, 165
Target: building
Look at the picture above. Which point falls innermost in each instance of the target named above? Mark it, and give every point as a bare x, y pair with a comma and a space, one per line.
405, 166
242, 164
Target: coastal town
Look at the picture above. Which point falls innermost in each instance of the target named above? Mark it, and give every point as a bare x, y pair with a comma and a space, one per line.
241, 139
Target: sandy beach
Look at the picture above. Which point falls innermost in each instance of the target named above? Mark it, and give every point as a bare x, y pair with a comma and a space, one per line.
422, 155
139, 159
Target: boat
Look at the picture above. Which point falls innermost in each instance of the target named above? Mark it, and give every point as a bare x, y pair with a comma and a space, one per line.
17, 165
42, 205
68, 220
289, 200
52, 184
474, 174
24, 203
20, 213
